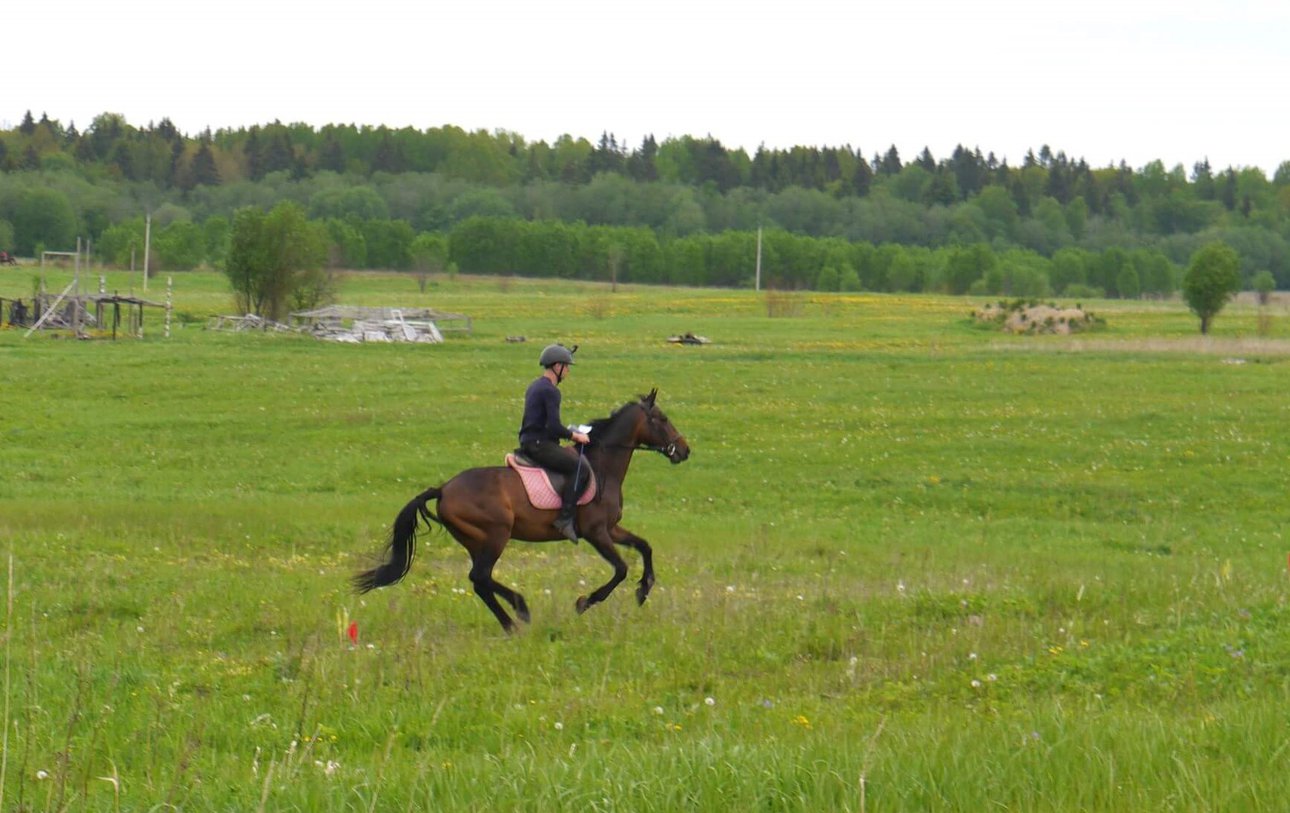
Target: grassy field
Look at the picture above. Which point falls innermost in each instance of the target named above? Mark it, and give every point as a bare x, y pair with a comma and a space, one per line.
912, 564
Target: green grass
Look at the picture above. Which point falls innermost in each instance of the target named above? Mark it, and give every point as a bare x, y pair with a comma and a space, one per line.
911, 564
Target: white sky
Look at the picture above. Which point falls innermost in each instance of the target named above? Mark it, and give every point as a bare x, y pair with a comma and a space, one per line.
1138, 80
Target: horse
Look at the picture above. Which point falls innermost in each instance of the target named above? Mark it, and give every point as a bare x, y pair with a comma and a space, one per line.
484, 508
7, 259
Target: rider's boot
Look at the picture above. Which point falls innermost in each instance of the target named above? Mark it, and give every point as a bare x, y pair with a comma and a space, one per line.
564, 524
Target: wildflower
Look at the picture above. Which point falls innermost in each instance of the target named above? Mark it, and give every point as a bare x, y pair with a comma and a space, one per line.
658, 710
709, 701
42, 775
802, 721
900, 586
730, 588
971, 656
559, 726
992, 677
976, 684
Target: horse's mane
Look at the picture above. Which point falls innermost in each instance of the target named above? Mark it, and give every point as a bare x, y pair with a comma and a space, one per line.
601, 426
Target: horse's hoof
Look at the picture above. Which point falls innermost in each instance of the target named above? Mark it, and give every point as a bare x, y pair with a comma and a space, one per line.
582, 604
642, 589
523, 614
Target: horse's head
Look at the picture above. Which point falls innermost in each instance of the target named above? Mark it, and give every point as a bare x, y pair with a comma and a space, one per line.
653, 430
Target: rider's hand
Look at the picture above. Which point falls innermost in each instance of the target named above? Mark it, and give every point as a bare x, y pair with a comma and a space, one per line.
580, 437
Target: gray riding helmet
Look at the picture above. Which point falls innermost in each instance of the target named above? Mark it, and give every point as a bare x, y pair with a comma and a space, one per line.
554, 354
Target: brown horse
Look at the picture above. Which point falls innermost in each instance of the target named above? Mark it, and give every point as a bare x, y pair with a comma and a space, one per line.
484, 508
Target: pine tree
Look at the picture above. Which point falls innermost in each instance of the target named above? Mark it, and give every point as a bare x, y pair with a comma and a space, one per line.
254, 155
204, 171
926, 161
890, 163
331, 155
862, 176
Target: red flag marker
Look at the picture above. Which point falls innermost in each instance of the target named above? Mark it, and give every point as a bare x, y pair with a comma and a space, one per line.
353, 632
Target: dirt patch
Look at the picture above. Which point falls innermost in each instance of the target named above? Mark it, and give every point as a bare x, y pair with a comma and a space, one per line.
1035, 318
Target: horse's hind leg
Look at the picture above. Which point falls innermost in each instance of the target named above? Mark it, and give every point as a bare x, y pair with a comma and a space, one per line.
604, 545
514, 598
482, 560
625, 537
485, 550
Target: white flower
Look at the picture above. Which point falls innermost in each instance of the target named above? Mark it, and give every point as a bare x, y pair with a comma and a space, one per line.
710, 701
730, 588
42, 774
559, 726
976, 684
658, 710
971, 656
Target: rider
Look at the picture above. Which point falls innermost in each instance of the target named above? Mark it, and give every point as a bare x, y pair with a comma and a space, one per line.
541, 432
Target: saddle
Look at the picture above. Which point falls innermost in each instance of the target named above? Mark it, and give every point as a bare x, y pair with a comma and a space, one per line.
543, 485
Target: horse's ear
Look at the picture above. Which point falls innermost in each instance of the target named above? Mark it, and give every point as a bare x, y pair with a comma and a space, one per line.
648, 400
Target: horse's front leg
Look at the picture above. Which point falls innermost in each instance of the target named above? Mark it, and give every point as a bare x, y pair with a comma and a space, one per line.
604, 545
625, 537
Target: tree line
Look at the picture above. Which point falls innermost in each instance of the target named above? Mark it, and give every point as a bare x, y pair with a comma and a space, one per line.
684, 211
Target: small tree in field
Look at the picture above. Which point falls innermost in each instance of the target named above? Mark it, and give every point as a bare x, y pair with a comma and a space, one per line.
1212, 278
1264, 284
275, 259
429, 256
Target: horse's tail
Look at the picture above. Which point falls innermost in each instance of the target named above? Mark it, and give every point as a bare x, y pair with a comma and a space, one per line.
402, 545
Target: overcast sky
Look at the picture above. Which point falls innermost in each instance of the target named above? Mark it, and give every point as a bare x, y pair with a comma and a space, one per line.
1106, 80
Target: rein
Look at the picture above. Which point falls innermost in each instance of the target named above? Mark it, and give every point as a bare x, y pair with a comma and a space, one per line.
667, 450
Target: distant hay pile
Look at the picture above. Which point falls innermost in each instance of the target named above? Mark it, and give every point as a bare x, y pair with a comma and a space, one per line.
1034, 318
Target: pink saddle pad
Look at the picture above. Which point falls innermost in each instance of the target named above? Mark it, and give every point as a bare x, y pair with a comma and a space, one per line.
537, 482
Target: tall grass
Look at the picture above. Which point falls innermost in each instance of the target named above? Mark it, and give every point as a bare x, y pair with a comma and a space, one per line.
911, 565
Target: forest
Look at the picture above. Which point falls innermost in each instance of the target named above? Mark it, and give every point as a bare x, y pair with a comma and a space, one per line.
686, 210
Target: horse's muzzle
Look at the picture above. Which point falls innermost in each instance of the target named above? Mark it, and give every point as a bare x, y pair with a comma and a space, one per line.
677, 451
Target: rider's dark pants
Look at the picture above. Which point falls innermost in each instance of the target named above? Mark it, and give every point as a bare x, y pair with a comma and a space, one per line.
550, 455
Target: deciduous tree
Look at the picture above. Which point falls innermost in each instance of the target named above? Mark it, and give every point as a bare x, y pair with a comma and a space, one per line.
1212, 278
275, 259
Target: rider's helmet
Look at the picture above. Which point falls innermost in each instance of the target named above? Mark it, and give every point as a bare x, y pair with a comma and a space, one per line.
554, 354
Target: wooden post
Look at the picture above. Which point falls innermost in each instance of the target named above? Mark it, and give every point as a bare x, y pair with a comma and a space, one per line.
147, 244
76, 302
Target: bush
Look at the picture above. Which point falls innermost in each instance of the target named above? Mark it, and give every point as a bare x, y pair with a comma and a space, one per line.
827, 280
849, 280
1081, 291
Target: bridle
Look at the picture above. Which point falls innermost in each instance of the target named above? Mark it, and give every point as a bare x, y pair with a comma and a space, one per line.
667, 449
